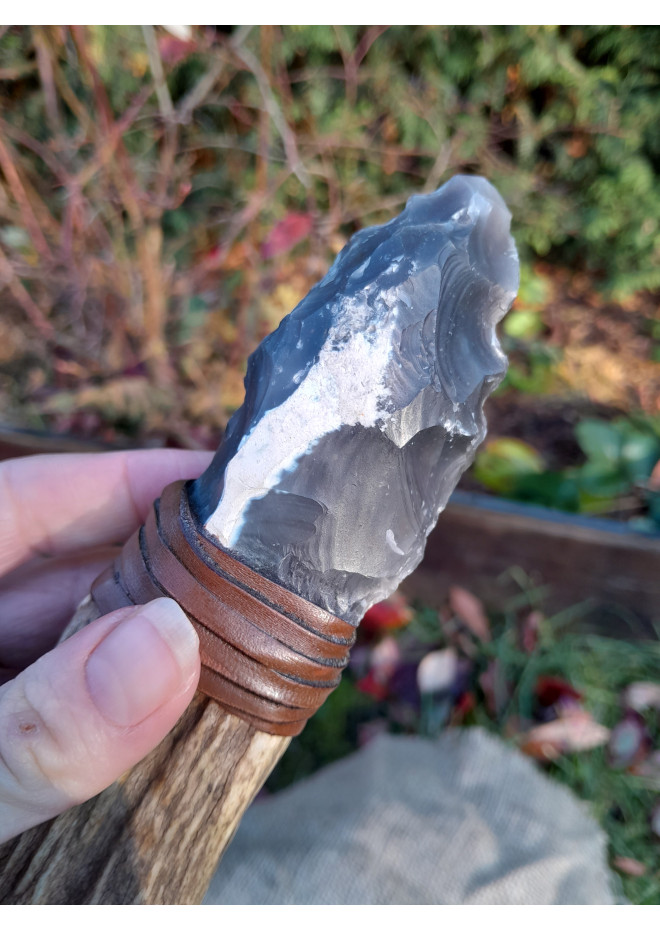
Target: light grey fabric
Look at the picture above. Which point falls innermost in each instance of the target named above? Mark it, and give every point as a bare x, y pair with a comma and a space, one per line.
463, 819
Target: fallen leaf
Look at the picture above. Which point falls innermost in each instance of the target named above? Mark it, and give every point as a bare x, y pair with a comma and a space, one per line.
629, 866
529, 634
437, 671
391, 614
384, 659
576, 732
495, 688
174, 48
288, 232
550, 689
463, 706
630, 741
642, 694
372, 686
470, 610
654, 480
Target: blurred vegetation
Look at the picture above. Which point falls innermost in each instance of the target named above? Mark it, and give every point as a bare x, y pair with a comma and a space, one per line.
620, 456
168, 194
585, 706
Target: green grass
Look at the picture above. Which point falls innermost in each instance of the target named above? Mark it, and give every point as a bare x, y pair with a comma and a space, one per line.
599, 667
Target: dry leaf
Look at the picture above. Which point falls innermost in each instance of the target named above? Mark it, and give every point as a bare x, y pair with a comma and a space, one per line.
642, 694
384, 658
630, 741
654, 480
529, 634
629, 866
437, 671
495, 688
575, 732
470, 610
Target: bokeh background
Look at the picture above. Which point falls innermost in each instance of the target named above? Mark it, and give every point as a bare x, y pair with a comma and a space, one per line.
168, 194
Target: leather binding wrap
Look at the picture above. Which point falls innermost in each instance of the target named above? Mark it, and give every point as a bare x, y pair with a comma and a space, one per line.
268, 656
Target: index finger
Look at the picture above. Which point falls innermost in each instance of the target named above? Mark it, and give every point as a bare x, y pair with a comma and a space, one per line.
56, 504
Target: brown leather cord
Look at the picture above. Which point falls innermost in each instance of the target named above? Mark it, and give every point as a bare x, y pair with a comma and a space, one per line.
268, 656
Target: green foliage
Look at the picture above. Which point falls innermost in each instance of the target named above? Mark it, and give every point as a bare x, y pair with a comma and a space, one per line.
142, 175
502, 674
620, 456
504, 463
565, 120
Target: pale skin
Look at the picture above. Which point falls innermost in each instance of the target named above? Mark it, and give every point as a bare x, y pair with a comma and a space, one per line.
75, 716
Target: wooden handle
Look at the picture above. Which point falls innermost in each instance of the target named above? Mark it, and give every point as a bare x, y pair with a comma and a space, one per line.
156, 835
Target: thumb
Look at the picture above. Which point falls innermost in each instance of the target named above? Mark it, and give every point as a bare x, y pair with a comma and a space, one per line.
74, 721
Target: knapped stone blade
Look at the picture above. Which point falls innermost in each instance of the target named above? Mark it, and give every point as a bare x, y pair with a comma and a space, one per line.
365, 406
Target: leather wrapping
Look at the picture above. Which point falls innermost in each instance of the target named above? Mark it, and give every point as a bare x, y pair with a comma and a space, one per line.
268, 656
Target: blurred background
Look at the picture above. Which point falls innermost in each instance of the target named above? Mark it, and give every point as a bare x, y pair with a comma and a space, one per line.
169, 193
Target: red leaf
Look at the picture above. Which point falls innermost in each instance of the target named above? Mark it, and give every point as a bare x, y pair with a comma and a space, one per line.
463, 706
370, 685
470, 610
288, 232
173, 50
550, 689
391, 614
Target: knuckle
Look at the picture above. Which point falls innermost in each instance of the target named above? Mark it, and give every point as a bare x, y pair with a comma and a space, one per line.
37, 759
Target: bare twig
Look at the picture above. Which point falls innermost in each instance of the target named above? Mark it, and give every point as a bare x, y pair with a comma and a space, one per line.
34, 313
39, 149
156, 65
201, 90
20, 195
45, 65
265, 35
367, 40
113, 138
288, 138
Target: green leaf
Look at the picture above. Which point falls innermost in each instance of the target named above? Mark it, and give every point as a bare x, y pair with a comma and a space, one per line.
600, 480
640, 451
504, 461
599, 440
523, 324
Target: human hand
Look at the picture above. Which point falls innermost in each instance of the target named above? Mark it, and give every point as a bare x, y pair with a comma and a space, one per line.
74, 718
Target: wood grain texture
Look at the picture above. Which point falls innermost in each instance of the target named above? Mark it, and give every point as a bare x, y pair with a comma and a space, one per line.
156, 835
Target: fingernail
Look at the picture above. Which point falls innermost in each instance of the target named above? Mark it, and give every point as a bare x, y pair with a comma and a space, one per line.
142, 662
